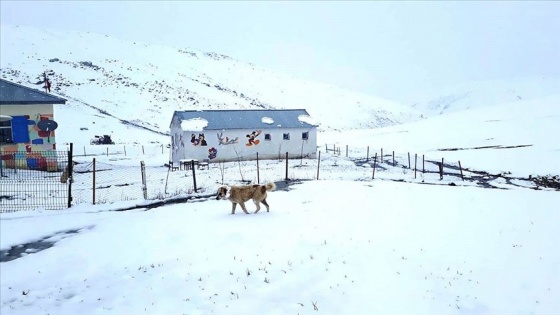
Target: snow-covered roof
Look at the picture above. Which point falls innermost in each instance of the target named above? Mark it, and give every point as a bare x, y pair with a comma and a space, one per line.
248, 119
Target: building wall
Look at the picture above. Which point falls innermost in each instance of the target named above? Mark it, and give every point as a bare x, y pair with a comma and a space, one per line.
231, 145
25, 118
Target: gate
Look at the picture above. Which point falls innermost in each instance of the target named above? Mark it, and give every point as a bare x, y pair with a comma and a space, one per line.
35, 180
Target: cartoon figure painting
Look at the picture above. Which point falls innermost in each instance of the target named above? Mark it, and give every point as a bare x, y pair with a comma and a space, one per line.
198, 141
226, 140
212, 153
253, 138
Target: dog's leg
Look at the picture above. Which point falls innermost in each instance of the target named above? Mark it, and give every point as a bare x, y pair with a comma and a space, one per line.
242, 204
266, 204
258, 205
233, 206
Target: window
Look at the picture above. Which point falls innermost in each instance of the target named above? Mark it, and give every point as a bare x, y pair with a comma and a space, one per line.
286, 136
20, 132
305, 135
6, 131
267, 136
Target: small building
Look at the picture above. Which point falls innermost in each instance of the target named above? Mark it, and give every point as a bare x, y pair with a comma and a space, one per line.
231, 135
27, 124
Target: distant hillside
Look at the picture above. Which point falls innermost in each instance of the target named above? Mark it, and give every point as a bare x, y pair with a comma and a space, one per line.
488, 93
127, 86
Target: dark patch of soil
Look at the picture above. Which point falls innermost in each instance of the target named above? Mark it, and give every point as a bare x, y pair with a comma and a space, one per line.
33, 247
488, 147
547, 181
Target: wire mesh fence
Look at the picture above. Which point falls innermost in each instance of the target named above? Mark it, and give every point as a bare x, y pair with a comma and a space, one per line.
34, 180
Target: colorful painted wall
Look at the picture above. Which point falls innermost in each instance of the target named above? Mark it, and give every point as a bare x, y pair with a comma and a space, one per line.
31, 147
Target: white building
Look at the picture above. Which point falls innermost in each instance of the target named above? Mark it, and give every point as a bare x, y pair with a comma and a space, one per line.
230, 135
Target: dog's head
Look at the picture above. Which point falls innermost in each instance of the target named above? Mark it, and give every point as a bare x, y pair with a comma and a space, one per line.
222, 193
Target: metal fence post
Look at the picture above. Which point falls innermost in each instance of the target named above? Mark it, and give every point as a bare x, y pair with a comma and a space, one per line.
93, 180
70, 175
193, 175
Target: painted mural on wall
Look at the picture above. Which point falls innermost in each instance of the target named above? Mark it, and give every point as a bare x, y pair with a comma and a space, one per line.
200, 141
33, 143
212, 153
253, 138
226, 140
177, 142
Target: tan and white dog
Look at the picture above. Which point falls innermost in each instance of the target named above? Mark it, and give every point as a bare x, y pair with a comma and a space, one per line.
241, 194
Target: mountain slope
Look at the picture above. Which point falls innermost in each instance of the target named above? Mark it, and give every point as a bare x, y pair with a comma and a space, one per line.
141, 85
488, 93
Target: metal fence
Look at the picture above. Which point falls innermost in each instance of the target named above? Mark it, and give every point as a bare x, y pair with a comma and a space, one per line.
38, 180
35, 180
101, 182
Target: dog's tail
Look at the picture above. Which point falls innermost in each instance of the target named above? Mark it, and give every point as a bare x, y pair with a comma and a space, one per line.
270, 186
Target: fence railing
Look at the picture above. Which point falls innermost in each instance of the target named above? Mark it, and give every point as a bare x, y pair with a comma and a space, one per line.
34, 180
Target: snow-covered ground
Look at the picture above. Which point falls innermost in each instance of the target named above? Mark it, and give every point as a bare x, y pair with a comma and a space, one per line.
344, 244
335, 247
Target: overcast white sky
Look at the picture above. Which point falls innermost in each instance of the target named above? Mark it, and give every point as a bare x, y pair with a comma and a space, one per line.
396, 50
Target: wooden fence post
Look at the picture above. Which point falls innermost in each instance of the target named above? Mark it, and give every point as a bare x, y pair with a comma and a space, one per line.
367, 155
318, 163
415, 161
393, 158
107, 151
381, 155
441, 170
84, 150
124, 150
346, 150
142, 149
258, 177
423, 165
461, 169
409, 160
286, 166
374, 165
144, 187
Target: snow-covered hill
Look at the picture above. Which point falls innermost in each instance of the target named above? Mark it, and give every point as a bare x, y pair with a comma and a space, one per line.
140, 85
487, 93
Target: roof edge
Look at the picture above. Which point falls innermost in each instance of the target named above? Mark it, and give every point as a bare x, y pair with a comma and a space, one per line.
59, 101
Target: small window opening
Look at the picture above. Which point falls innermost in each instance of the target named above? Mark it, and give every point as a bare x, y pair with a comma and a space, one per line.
6, 131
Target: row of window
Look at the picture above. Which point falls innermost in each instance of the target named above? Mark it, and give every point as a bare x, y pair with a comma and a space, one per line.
286, 136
